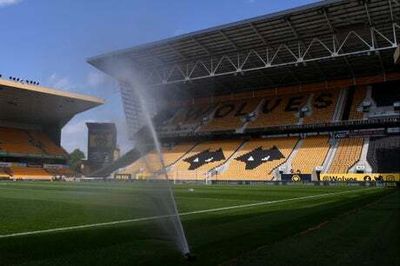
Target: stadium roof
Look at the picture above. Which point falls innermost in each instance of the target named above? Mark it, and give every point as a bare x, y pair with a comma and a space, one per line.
327, 40
31, 104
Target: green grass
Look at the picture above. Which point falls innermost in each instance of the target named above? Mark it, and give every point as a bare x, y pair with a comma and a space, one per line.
266, 235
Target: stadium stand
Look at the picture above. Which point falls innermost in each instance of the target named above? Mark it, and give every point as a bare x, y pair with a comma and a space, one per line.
17, 141
312, 153
357, 99
45, 143
196, 164
273, 111
383, 154
231, 115
323, 107
257, 159
29, 173
150, 163
21, 141
4, 173
299, 94
146, 165
188, 118
31, 119
347, 154
172, 154
54, 172
281, 110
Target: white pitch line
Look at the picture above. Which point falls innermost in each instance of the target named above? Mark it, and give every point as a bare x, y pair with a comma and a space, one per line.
70, 228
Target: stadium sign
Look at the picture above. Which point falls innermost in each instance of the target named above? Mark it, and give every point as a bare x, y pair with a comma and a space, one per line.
360, 177
123, 176
296, 177
54, 166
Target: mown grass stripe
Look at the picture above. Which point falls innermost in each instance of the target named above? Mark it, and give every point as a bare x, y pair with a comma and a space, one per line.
249, 205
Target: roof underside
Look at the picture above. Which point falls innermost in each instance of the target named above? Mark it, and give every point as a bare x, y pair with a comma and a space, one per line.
27, 104
328, 40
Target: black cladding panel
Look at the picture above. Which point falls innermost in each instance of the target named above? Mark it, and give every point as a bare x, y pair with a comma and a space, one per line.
387, 93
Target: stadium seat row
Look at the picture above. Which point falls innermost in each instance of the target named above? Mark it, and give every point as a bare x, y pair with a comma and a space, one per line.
32, 142
291, 109
256, 159
33, 173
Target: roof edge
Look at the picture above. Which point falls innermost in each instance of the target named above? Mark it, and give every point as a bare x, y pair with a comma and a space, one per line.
52, 91
274, 15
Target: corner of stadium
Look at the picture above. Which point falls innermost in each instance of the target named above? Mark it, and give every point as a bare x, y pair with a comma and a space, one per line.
307, 94
31, 120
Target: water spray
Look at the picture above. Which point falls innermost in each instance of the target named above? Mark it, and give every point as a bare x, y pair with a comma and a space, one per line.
143, 104
180, 234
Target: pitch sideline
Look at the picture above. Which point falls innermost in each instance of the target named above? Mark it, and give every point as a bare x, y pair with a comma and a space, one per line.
71, 228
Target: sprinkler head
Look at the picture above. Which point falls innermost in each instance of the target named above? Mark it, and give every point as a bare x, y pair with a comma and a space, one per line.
189, 257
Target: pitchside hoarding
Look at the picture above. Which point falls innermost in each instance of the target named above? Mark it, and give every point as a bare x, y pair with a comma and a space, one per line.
391, 177
296, 177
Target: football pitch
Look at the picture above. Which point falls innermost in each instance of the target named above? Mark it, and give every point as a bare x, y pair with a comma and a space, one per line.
114, 224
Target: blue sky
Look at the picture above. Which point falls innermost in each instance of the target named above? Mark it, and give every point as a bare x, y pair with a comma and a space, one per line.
50, 40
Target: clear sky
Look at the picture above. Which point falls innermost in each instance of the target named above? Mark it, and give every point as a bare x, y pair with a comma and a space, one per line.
50, 40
